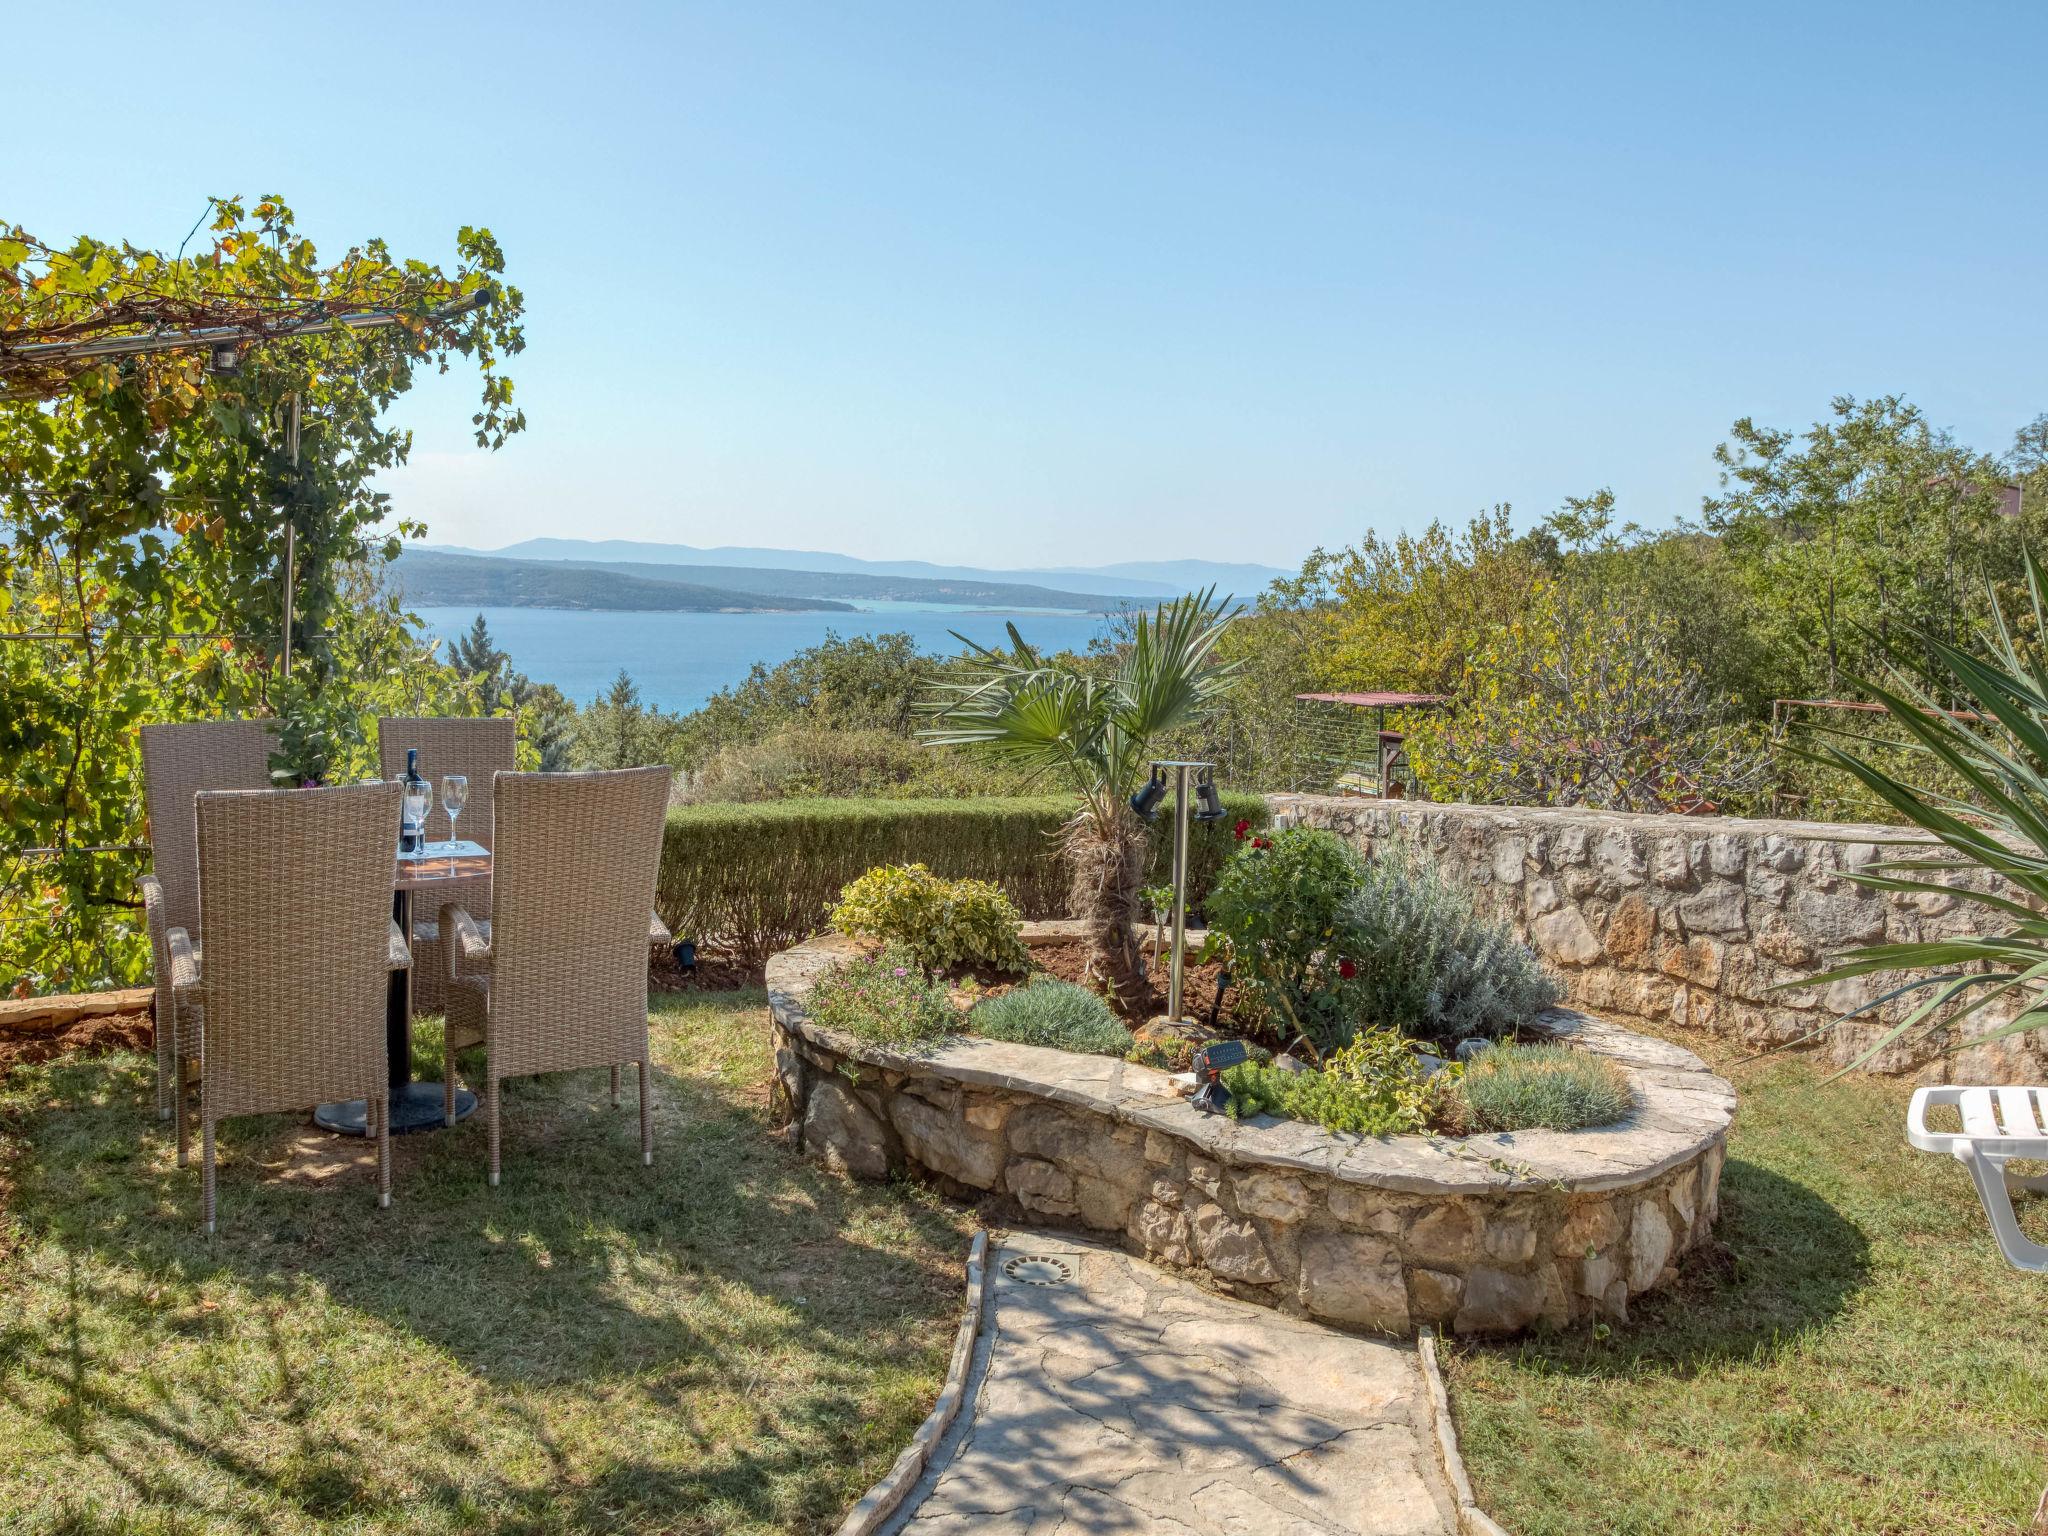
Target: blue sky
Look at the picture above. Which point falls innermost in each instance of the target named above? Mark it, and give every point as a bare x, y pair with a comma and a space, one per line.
1069, 283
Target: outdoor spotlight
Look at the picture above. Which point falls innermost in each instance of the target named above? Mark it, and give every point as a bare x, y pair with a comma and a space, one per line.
1146, 801
1210, 1062
226, 359
1209, 802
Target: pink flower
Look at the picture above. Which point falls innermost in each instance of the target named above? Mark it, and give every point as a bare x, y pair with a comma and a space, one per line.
902, 970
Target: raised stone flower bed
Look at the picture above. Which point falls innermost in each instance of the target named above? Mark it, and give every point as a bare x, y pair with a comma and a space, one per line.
1481, 1234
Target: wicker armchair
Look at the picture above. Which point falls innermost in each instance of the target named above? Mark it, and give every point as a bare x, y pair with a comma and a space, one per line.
560, 980
476, 749
298, 944
177, 762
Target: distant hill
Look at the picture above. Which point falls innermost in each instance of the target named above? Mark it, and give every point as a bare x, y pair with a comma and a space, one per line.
1132, 578
852, 586
434, 578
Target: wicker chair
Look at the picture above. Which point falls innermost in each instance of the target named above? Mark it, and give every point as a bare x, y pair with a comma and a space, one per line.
299, 943
177, 762
560, 980
476, 749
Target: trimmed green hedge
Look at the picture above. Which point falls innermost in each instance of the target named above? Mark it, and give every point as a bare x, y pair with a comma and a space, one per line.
760, 876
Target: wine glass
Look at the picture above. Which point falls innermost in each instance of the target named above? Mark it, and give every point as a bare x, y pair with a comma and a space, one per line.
454, 796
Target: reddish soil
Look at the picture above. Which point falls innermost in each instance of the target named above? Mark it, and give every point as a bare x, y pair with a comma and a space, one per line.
715, 972
1067, 959
94, 1036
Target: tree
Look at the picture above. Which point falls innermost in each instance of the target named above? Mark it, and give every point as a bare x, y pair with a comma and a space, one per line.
1867, 525
1582, 701
1058, 716
476, 657
144, 501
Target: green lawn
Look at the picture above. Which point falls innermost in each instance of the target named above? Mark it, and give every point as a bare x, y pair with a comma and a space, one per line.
1860, 1360
730, 1341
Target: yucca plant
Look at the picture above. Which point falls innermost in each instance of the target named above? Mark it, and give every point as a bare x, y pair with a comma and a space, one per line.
1094, 731
1985, 719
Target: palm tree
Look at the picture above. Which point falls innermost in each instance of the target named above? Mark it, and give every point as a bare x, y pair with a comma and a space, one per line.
1055, 717
1989, 826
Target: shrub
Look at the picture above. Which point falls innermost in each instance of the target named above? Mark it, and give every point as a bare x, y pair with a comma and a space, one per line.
942, 922
805, 761
1428, 964
1543, 1087
1375, 1086
885, 998
759, 877
1278, 906
1053, 1013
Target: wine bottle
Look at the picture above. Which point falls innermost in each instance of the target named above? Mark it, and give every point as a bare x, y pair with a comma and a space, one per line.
418, 794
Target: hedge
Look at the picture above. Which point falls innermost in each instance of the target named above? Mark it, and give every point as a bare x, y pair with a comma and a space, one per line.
760, 876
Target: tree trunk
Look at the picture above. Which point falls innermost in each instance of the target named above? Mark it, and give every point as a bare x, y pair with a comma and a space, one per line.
1107, 872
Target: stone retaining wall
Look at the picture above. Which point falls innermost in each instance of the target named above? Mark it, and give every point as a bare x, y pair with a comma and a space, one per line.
1483, 1234
1693, 920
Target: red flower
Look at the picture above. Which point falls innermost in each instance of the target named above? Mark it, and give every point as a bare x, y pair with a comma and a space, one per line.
1260, 842
1346, 969
1240, 829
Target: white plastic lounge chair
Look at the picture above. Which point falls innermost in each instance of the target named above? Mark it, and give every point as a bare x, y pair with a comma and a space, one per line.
1999, 1124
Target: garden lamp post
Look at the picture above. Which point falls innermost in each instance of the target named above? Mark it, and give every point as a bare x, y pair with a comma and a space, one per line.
1146, 803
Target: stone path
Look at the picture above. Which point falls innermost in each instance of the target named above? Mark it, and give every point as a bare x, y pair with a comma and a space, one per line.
1109, 1396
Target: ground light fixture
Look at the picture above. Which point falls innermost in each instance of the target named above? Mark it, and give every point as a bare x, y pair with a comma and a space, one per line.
1146, 803
1210, 1063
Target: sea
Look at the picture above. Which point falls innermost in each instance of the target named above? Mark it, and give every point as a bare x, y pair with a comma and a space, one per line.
679, 660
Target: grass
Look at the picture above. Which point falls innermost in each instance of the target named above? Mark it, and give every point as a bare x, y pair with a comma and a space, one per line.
728, 1342
1859, 1359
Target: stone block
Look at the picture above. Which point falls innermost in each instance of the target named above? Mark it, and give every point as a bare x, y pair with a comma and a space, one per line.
1162, 1232
1232, 1248
843, 1133
1352, 1279
1714, 908
1041, 1187
1498, 1302
1435, 1295
1273, 1197
1649, 1244
1442, 1235
946, 1144
1563, 936
987, 1114
1509, 1241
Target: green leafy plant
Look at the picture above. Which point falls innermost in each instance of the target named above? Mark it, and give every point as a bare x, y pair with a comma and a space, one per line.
884, 998
1052, 1013
1278, 906
140, 509
1376, 1086
944, 923
315, 732
1542, 1087
1094, 728
1427, 964
1986, 847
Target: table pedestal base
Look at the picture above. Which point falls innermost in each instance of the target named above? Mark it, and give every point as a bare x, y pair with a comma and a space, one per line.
414, 1107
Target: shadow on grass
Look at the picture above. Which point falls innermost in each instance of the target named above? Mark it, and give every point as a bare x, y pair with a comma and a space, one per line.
611, 1287
1783, 1262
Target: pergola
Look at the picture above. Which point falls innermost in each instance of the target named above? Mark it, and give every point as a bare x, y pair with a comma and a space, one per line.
41, 370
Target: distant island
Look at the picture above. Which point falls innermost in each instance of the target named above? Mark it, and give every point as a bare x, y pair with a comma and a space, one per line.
432, 579
447, 578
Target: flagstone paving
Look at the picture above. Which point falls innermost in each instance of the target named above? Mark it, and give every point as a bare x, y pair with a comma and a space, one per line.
1107, 1395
